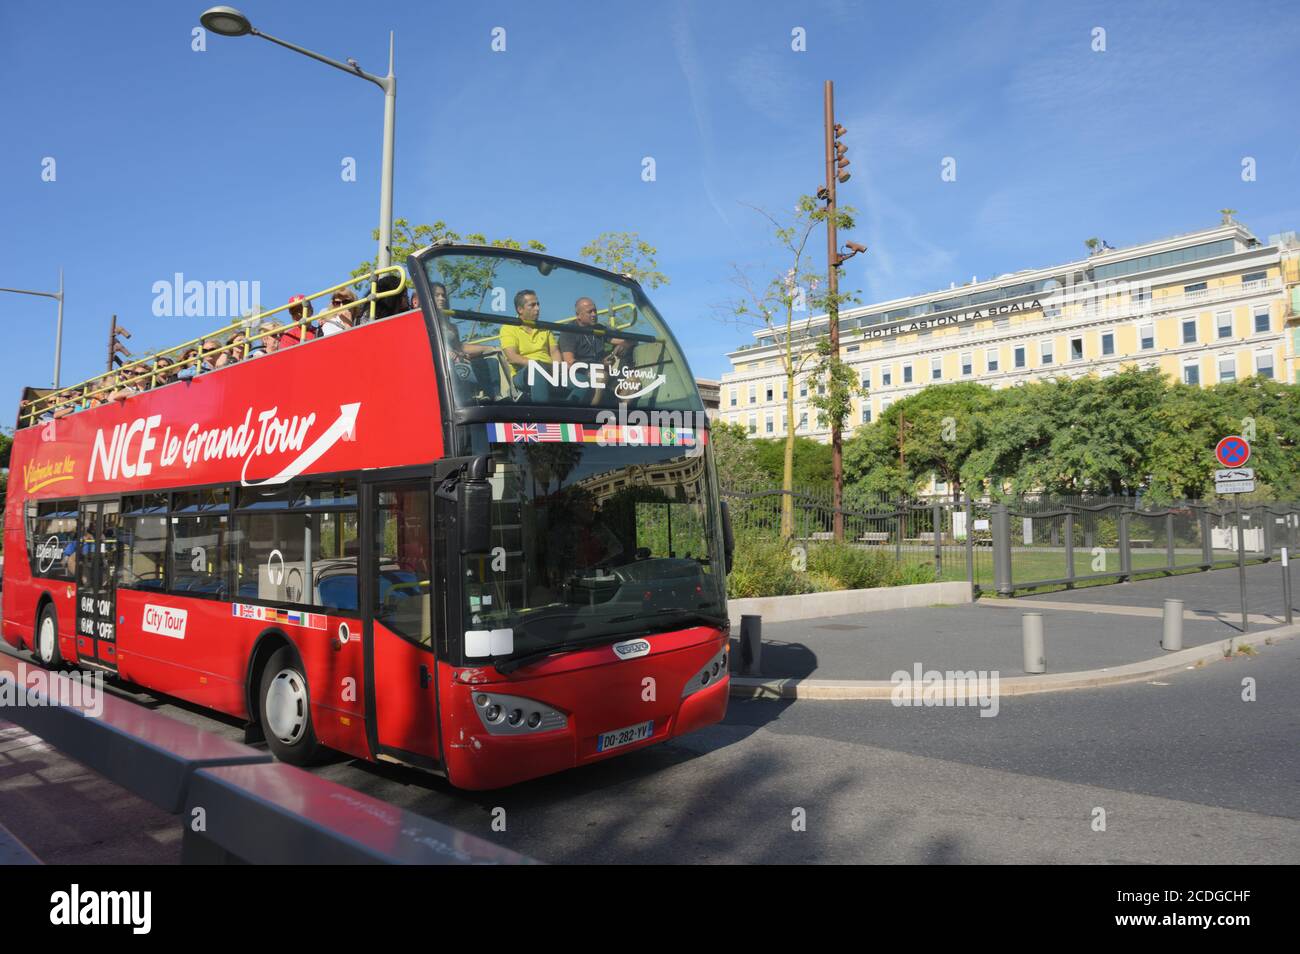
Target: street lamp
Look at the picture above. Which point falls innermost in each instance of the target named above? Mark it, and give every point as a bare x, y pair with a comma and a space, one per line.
227, 21
58, 328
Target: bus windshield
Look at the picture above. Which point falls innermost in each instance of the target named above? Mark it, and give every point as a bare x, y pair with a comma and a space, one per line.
593, 541
522, 329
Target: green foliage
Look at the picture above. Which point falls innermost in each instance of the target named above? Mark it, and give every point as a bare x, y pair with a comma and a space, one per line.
1133, 432
6, 445
764, 566
408, 238
811, 463
734, 455
625, 253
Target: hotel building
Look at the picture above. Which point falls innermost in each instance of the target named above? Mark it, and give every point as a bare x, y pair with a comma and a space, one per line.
1209, 306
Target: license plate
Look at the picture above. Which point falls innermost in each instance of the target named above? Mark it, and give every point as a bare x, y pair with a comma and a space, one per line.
621, 737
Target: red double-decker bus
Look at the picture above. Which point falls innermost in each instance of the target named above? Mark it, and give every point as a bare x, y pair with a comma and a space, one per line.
482, 536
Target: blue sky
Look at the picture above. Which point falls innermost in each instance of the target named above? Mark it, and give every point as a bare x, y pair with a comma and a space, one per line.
225, 164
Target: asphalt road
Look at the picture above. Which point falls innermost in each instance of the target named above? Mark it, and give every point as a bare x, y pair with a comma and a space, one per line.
1185, 770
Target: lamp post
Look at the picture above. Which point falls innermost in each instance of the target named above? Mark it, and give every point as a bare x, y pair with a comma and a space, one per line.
227, 21
58, 327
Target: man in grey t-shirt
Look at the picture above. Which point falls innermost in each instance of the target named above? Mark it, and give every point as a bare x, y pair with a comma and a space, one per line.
592, 345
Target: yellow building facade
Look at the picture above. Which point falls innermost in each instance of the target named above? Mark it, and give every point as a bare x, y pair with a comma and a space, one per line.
1210, 306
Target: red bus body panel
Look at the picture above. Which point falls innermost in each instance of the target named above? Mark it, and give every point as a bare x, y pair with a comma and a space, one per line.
365, 399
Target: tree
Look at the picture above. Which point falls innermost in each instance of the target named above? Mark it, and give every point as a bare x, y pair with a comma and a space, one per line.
408, 238
942, 426
772, 302
734, 455
625, 254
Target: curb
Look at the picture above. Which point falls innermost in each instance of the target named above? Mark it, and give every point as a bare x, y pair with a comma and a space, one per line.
748, 687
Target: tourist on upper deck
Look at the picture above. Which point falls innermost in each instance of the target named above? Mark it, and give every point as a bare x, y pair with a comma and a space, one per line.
393, 304
300, 308
525, 343
342, 319
233, 353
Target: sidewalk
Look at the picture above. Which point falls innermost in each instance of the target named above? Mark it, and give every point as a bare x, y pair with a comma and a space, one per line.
1098, 628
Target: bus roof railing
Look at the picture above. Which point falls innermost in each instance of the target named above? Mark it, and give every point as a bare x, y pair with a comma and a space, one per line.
164, 367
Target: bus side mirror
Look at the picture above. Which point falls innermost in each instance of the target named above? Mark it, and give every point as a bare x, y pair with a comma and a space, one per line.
474, 506
728, 539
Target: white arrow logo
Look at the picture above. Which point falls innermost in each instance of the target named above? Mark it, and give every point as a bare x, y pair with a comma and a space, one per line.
343, 426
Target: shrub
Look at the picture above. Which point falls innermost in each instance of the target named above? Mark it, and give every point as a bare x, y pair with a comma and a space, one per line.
764, 567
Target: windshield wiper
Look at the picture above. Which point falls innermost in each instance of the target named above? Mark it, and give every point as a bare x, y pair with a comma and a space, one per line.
684, 617
507, 666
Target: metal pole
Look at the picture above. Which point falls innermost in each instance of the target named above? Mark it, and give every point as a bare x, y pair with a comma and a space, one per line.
1241, 563
1171, 638
1286, 584
386, 182
1001, 550
970, 540
58, 334
936, 524
1207, 538
1031, 631
1069, 547
833, 307
1125, 553
1169, 537
751, 645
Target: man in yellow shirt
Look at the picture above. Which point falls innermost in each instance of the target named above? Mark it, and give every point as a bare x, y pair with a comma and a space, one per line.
525, 342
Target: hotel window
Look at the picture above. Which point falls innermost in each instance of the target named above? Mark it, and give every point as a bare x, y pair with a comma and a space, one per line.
1223, 322
1195, 290
770, 394
1227, 367
785, 391
803, 421
1020, 357
907, 374
991, 359
1189, 331
1045, 352
768, 424
1108, 344
733, 397
1250, 277
753, 424
1146, 337
1192, 371
803, 389
866, 378
1261, 319
784, 421
866, 414
1141, 294
936, 369
851, 348
967, 364
1076, 349
1264, 363
887, 375
753, 393
821, 388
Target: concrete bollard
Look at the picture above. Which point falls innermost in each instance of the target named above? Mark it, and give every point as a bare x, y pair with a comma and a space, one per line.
751, 645
1172, 639
1032, 629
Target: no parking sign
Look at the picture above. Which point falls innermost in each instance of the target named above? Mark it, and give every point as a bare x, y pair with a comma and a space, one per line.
1232, 451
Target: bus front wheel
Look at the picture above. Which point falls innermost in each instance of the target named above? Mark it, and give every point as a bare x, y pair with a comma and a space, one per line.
46, 645
285, 710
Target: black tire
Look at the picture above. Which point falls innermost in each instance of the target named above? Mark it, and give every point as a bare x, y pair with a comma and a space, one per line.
284, 710
46, 651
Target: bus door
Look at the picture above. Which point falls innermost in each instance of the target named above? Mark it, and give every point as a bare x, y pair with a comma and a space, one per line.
97, 556
401, 621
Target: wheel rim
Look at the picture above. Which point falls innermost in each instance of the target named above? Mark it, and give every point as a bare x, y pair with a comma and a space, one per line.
286, 706
45, 644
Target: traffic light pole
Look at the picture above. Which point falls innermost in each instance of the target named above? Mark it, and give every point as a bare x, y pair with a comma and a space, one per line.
833, 312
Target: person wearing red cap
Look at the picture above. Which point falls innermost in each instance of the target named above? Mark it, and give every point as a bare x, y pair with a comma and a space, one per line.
299, 308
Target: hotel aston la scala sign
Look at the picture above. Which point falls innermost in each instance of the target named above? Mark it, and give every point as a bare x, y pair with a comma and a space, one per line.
924, 324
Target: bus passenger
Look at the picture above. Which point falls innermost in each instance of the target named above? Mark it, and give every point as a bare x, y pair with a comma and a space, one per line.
267, 342
299, 309
391, 304
526, 343
591, 345
344, 318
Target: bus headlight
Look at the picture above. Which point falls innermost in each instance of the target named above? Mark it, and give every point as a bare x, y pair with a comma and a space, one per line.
711, 672
516, 715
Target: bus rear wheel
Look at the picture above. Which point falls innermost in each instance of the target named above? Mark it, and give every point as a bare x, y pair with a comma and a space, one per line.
284, 707
45, 647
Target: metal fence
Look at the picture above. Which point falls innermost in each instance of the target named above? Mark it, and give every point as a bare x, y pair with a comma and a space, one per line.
1036, 540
